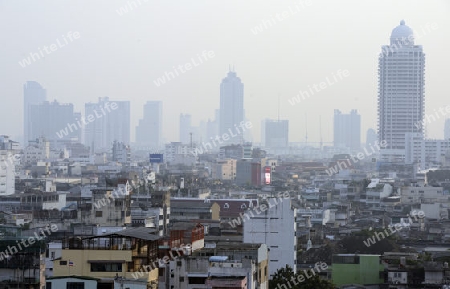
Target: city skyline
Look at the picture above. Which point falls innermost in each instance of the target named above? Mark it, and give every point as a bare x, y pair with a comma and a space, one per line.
293, 57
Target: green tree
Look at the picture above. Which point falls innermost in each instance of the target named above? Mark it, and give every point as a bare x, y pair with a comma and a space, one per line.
286, 278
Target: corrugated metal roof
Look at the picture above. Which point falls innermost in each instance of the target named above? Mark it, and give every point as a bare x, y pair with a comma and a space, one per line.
139, 233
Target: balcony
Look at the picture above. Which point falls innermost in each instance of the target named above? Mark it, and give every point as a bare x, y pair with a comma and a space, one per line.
232, 282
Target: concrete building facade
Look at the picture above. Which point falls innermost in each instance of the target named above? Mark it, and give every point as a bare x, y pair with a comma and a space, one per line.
275, 227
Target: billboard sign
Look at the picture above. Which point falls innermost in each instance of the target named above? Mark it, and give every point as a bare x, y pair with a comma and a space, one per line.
267, 171
156, 158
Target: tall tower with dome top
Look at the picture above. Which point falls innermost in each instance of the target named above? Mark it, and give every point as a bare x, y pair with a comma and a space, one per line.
401, 92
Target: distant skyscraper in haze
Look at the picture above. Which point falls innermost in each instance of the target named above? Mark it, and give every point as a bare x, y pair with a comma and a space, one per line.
231, 107
212, 126
33, 93
347, 130
54, 121
447, 129
107, 121
371, 136
185, 128
149, 129
401, 98
275, 133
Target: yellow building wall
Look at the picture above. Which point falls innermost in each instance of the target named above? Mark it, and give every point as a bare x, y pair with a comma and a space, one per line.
263, 267
150, 276
215, 214
81, 266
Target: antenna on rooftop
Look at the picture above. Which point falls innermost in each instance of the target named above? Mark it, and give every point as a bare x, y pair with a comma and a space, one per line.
306, 125
278, 108
320, 129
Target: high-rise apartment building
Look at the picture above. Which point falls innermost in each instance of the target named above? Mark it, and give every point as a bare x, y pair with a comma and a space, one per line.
347, 130
107, 121
401, 94
33, 93
149, 129
212, 126
275, 133
371, 136
231, 106
185, 128
54, 121
447, 129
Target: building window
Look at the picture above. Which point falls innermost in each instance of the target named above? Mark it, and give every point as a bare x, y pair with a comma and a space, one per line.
98, 214
351, 259
63, 263
106, 267
75, 285
226, 206
48, 285
52, 255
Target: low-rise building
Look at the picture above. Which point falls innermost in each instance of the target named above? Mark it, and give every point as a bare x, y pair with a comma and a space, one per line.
223, 169
357, 269
189, 209
248, 172
227, 265
128, 254
421, 194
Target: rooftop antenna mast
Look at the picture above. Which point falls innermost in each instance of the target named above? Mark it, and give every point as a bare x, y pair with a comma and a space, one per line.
320, 129
278, 108
306, 124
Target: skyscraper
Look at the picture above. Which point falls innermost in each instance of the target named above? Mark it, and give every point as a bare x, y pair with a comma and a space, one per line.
185, 128
33, 93
149, 129
447, 129
371, 136
54, 121
401, 101
347, 130
212, 126
231, 106
107, 121
275, 133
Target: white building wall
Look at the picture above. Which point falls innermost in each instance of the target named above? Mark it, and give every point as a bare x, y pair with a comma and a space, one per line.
434, 211
7, 173
58, 204
427, 153
62, 283
54, 252
276, 228
174, 150
129, 284
412, 195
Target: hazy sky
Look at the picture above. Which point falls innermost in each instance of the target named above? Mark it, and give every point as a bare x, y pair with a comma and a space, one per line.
121, 56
